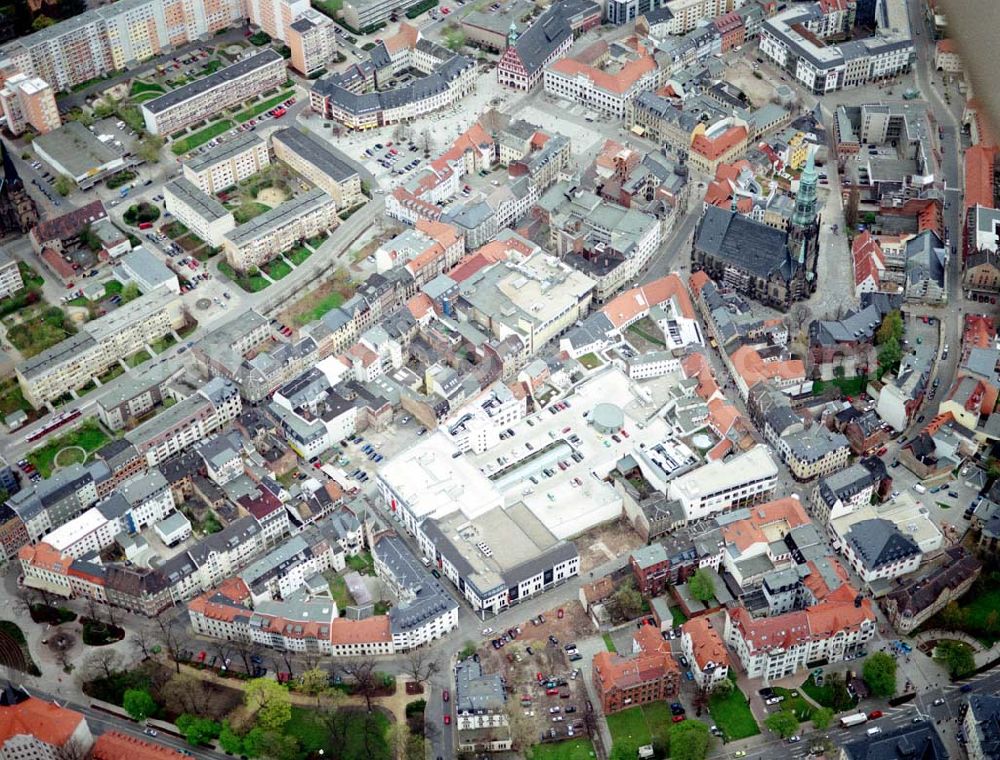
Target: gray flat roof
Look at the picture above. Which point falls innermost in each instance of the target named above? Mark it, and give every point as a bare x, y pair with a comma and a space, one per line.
225, 151
191, 194
311, 149
75, 148
210, 82
278, 217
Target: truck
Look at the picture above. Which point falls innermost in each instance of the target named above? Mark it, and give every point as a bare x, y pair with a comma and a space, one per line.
853, 720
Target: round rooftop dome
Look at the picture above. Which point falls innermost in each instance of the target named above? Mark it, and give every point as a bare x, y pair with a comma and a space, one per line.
608, 418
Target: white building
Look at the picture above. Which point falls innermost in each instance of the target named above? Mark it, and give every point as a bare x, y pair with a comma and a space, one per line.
478, 425
720, 485
228, 163
199, 212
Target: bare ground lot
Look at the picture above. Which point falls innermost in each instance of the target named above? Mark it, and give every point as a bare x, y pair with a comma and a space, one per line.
521, 671
740, 74
605, 543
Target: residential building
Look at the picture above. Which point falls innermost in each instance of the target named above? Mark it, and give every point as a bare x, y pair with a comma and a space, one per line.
133, 396
982, 273
918, 739
199, 212
211, 408
745, 479
911, 605
275, 17
705, 651
814, 452
926, 269
106, 39
33, 729
308, 155
647, 674
822, 66
877, 548
275, 231
205, 97
946, 57
981, 727
480, 709
76, 152
835, 629
685, 15
10, 274
228, 163
98, 345
843, 492
28, 101
651, 569
146, 271
312, 39
723, 143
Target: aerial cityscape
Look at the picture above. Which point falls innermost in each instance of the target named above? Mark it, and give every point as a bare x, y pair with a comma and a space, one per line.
552, 379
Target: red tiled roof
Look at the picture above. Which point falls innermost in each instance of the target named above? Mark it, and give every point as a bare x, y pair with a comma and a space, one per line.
753, 369
979, 176
618, 83
419, 305
45, 721
817, 584
117, 746
706, 645
369, 630
713, 148
698, 280
752, 530
631, 303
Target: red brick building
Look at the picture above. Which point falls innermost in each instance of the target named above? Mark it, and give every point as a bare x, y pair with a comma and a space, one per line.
651, 569
651, 675
731, 30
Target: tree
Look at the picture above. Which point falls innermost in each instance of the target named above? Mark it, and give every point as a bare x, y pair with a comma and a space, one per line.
130, 292
104, 663
890, 355
362, 670
783, 723
269, 703
625, 749
198, 731
821, 718
467, 651
891, 327
953, 616
700, 585
420, 665
149, 148
139, 704
73, 749
399, 736
841, 698
314, 682
689, 740
63, 185
522, 730
880, 674
41, 22
416, 748
628, 600
798, 316
185, 693
956, 657
230, 741
723, 689
851, 209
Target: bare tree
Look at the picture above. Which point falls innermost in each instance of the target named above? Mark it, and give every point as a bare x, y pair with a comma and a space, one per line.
103, 663
170, 636
247, 650
224, 650
24, 599
92, 609
421, 665
798, 316
112, 613
522, 731
362, 670
186, 693
73, 749
143, 642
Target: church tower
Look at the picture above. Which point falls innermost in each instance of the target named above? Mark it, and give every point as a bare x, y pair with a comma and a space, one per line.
803, 230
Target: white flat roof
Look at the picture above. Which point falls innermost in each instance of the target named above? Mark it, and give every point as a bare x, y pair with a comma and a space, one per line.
69, 533
718, 475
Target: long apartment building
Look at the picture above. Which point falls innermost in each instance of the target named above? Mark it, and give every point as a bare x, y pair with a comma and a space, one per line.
228, 163
198, 211
261, 239
313, 159
210, 408
108, 39
98, 345
207, 96
10, 274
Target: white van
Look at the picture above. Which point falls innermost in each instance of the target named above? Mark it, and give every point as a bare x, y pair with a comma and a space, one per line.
919, 488
874, 731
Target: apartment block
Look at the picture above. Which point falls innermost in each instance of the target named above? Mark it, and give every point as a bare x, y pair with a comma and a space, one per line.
135, 395
29, 101
198, 211
648, 674
313, 42
98, 345
258, 241
314, 160
228, 163
211, 408
207, 96
275, 16
10, 274
110, 38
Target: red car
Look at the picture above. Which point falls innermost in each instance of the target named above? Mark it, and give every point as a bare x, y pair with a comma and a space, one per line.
874, 714
447, 720
552, 692
445, 695
201, 656
560, 613
678, 718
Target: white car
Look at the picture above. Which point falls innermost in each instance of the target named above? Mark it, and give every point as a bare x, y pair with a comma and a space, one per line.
487, 631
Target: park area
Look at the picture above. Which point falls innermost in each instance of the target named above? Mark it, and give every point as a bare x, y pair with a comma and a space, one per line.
40, 330
69, 448
732, 714
202, 136
978, 612
571, 749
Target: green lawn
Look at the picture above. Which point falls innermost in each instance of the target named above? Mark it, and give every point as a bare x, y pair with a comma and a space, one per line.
299, 255
329, 7
590, 361
802, 709
90, 436
732, 715
278, 269
112, 288
679, 618
314, 736
573, 749
142, 88
138, 358
115, 370
609, 643
822, 695
201, 137
630, 726
643, 328
329, 303
849, 386
363, 563
265, 105
339, 592
164, 343
247, 211
43, 331
251, 284
12, 399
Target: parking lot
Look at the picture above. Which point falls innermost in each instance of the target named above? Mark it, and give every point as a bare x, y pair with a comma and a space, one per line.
540, 674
